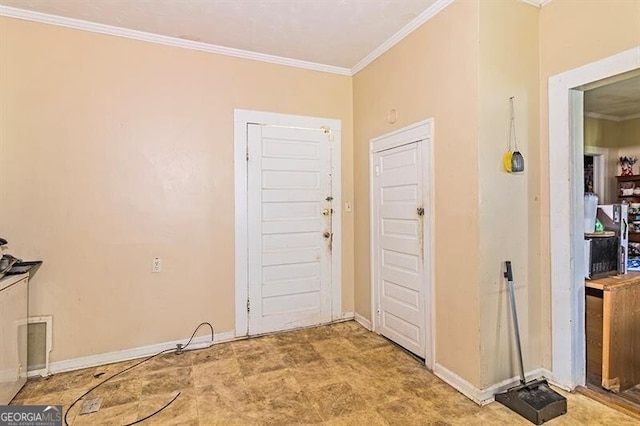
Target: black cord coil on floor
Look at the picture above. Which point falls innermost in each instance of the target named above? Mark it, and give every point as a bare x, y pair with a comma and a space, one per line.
182, 348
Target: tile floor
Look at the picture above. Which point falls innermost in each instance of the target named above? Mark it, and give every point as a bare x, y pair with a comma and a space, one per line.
339, 374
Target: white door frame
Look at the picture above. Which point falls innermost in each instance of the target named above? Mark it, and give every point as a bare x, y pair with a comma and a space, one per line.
423, 132
600, 172
566, 213
241, 119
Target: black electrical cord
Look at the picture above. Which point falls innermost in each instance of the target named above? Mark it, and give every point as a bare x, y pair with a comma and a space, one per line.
135, 365
155, 412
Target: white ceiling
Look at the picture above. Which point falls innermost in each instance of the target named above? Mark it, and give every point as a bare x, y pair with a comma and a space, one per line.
617, 101
331, 32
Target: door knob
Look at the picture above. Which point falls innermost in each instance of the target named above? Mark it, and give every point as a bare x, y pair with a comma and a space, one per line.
326, 212
327, 234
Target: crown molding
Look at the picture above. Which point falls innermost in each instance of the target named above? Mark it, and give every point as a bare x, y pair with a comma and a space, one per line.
536, 3
402, 33
630, 117
610, 117
601, 116
79, 24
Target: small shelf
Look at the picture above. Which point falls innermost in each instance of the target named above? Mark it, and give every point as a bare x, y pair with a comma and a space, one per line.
630, 183
630, 178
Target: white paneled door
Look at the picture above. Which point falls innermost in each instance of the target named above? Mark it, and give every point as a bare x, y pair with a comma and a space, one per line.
399, 246
289, 228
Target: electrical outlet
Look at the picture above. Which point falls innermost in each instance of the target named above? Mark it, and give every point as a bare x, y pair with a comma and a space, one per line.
156, 265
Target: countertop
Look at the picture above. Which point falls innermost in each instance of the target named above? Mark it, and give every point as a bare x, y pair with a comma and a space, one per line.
9, 280
616, 282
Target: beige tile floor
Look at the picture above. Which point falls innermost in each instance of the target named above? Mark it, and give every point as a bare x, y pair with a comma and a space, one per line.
339, 374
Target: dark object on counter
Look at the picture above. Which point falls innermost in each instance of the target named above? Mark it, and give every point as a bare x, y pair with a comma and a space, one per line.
535, 401
6, 263
25, 267
3, 242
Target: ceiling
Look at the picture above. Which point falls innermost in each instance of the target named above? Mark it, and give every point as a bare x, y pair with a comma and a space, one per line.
618, 101
346, 34
337, 33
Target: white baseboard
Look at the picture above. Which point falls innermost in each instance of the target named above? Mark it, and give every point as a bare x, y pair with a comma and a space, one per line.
482, 396
362, 321
134, 353
144, 351
547, 374
346, 316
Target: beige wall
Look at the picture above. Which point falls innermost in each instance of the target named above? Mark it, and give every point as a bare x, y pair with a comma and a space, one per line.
630, 133
574, 33
509, 208
113, 151
431, 73
602, 133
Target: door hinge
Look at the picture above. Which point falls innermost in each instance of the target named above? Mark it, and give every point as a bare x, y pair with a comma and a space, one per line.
247, 156
377, 170
248, 305
420, 211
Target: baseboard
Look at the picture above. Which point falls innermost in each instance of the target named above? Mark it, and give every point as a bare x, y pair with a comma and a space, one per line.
134, 353
362, 321
346, 316
481, 396
547, 374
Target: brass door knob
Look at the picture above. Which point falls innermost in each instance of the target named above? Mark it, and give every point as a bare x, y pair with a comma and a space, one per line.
326, 212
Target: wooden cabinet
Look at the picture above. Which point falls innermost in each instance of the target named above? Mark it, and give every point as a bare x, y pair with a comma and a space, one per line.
13, 335
613, 330
629, 193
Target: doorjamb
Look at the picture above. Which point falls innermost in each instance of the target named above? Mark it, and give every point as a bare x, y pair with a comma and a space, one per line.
418, 132
566, 224
601, 160
241, 119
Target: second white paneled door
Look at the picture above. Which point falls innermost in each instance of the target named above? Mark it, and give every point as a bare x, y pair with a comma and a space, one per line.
399, 214
289, 228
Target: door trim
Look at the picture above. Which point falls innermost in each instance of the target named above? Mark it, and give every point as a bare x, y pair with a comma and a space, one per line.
418, 132
241, 119
601, 159
566, 212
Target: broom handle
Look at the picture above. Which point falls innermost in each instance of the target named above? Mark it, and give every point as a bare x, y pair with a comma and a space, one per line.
509, 276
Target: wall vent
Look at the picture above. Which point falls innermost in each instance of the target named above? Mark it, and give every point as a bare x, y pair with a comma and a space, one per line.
39, 345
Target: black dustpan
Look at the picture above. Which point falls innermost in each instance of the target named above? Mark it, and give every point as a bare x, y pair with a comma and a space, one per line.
535, 401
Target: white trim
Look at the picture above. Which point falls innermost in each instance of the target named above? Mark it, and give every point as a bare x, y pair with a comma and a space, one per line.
602, 116
566, 225
94, 27
134, 353
611, 117
601, 160
362, 321
482, 396
346, 316
241, 119
429, 13
536, 3
420, 131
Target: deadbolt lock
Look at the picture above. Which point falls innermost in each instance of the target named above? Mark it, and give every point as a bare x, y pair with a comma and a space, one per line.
420, 211
327, 234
